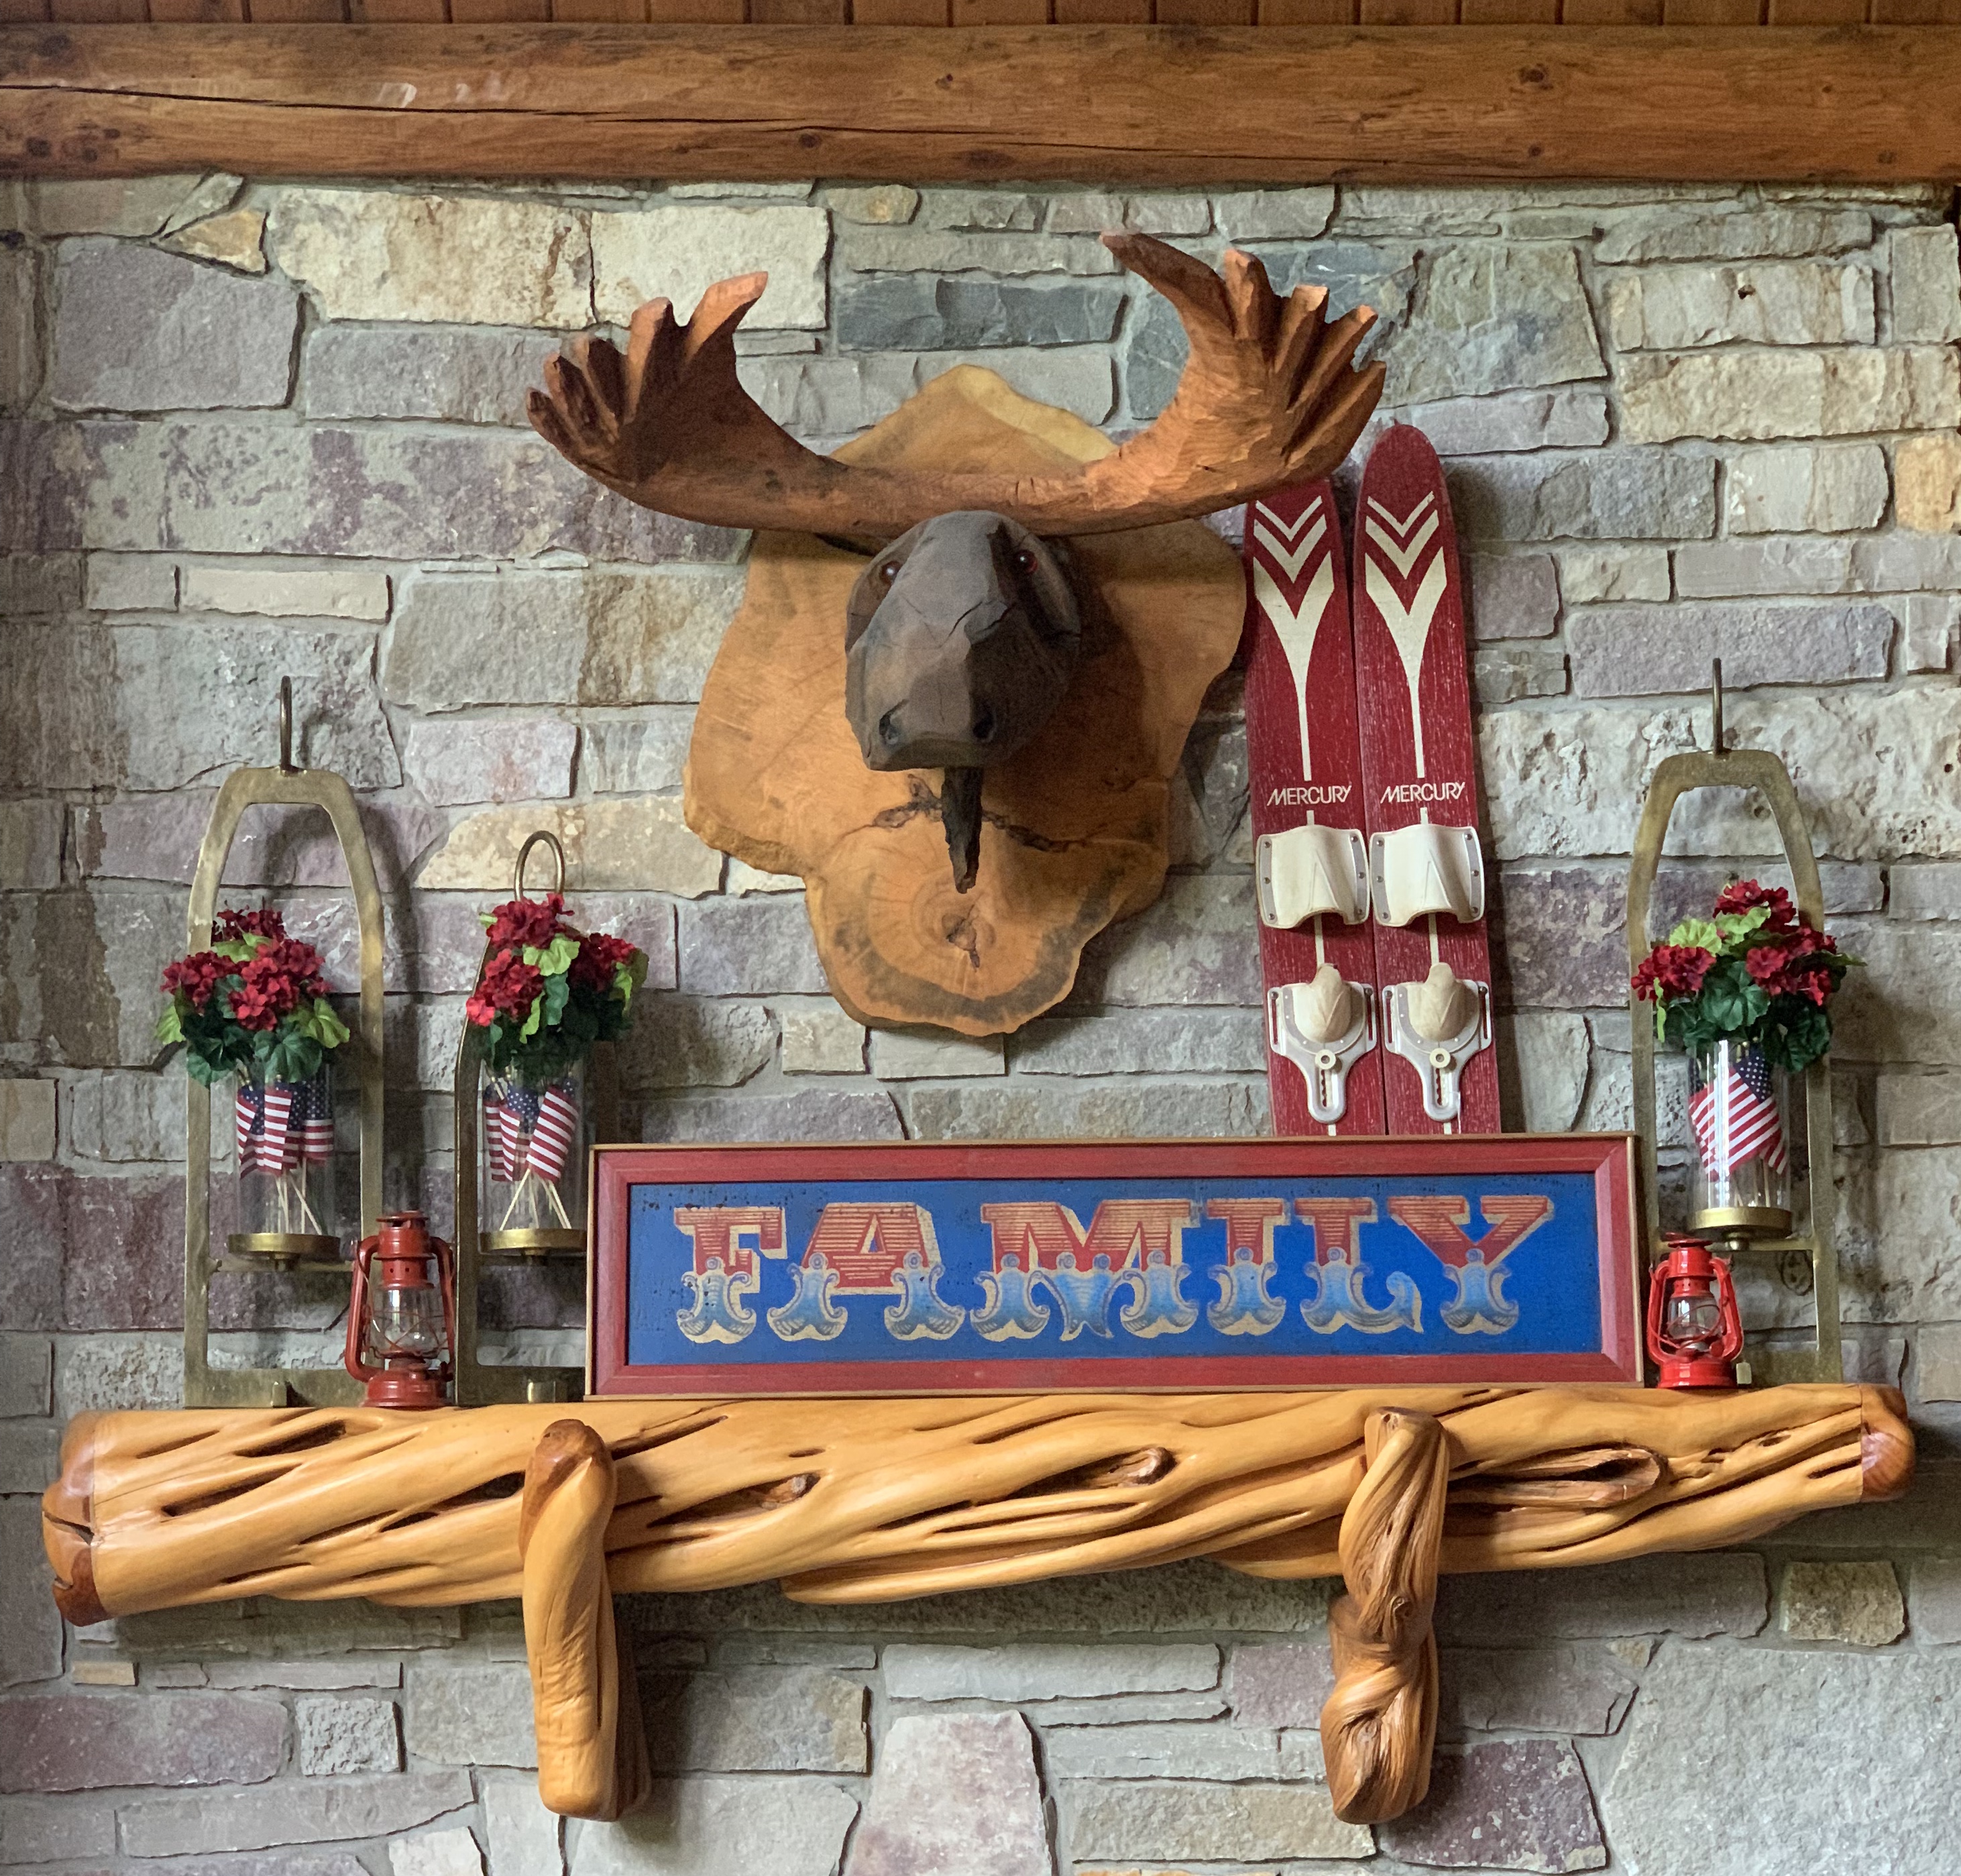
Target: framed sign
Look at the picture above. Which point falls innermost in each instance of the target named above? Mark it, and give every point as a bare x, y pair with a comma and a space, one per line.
1171, 1265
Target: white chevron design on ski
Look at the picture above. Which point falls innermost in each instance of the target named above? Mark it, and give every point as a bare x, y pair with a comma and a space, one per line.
1291, 560
1403, 523
1409, 626
1403, 557
1291, 529
1295, 627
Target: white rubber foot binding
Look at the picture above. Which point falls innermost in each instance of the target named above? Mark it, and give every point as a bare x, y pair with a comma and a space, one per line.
1426, 868
1311, 872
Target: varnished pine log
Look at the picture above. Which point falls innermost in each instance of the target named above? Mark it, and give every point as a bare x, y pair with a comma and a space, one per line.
585, 1705
1378, 1724
871, 1500
1124, 104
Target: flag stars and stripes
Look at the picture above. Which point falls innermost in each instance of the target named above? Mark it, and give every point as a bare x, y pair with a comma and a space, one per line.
530, 1131
280, 1126
1734, 1118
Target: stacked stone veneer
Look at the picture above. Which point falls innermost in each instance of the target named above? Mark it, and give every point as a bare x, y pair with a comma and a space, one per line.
263, 429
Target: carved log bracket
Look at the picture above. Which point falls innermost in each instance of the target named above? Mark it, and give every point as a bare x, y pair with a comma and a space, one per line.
871, 1500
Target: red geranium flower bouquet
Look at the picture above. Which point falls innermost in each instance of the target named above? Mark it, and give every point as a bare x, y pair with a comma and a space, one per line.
1745, 994
1755, 975
547, 993
255, 1006
254, 1003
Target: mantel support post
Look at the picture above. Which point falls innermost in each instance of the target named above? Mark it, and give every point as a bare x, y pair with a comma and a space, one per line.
1379, 1724
592, 1753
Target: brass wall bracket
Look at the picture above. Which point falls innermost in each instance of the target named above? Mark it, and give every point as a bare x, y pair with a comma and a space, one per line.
1757, 769
285, 786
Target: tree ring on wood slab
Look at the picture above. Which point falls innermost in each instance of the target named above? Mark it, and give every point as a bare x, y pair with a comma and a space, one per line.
1075, 830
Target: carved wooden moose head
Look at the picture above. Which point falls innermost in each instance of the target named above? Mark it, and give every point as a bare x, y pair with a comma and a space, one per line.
963, 631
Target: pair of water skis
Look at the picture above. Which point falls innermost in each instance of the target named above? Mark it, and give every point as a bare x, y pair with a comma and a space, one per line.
1370, 871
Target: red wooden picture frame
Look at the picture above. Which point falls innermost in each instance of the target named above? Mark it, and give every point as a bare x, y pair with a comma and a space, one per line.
784, 1197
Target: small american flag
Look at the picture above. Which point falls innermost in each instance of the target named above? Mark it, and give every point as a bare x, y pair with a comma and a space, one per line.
529, 1131
281, 1125
1734, 1117
507, 1111
313, 1119
262, 1112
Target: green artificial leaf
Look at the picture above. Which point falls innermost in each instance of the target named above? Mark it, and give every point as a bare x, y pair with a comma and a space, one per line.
553, 996
201, 1070
318, 1021
1737, 926
485, 920
1698, 933
293, 1057
628, 977
555, 958
1799, 1033
533, 1018
239, 950
170, 1024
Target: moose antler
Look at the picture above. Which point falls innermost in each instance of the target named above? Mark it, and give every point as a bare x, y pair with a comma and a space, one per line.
1268, 397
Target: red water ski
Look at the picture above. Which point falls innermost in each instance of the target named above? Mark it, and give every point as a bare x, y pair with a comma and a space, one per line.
1419, 767
1311, 860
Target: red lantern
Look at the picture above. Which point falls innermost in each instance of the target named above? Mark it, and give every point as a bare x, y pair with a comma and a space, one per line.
401, 1330
1695, 1334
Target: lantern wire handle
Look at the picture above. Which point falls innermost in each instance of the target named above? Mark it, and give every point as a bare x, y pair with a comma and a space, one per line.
286, 765
1716, 706
550, 841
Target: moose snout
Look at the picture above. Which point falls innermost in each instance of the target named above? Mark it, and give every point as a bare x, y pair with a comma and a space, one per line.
960, 640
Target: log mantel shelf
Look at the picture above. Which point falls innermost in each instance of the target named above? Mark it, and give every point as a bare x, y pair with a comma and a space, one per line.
1127, 105
873, 1501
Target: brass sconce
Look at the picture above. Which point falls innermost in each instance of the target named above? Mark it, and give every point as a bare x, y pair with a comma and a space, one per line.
482, 1237
204, 1386
1742, 1231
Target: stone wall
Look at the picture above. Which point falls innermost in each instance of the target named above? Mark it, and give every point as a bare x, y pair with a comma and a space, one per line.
262, 429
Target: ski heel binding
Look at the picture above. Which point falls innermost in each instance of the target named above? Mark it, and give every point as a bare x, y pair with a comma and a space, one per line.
1324, 1027
1436, 1026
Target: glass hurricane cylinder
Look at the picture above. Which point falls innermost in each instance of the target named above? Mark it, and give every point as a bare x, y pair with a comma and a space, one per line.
1739, 1127
532, 1162
282, 1135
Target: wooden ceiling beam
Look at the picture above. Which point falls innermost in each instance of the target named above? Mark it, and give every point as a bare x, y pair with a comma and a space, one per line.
1135, 105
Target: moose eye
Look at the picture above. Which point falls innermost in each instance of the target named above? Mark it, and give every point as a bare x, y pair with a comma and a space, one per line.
1024, 561
889, 572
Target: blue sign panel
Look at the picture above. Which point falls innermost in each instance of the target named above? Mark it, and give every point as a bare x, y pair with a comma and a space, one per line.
913, 1274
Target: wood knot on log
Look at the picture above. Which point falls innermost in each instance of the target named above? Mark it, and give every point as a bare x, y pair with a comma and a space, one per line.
67, 1525
1380, 1723
1142, 1468
1885, 1444
1592, 1478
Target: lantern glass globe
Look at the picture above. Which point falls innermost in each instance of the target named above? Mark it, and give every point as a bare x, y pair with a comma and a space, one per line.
406, 1319
1693, 1322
